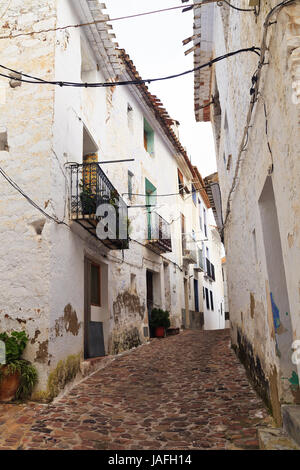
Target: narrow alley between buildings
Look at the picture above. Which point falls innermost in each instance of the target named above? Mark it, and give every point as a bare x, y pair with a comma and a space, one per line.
183, 392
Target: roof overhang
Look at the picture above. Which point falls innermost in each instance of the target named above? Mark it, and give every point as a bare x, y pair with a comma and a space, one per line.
214, 195
100, 37
203, 53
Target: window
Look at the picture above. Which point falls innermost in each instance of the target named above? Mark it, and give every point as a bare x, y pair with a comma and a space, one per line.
207, 263
200, 214
130, 185
194, 195
180, 182
211, 300
148, 138
130, 117
206, 298
205, 222
95, 285
183, 239
196, 295
150, 201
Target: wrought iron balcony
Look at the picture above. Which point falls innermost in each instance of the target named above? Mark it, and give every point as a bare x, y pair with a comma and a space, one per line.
189, 249
210, 270
159, 234
90, 189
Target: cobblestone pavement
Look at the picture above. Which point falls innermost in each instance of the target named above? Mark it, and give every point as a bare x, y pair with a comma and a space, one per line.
182, 392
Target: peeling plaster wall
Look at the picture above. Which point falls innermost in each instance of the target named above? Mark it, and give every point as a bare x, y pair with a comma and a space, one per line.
249, 293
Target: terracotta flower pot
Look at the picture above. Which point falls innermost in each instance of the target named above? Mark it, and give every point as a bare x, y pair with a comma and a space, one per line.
9, 385
160, 332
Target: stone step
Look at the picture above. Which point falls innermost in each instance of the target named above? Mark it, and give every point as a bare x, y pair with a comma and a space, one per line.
291, 421
275, 439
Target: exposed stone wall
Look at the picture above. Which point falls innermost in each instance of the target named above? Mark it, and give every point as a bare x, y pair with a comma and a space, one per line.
26, 117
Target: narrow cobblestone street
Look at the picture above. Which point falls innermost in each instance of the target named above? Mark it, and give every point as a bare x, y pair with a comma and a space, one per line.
184, 392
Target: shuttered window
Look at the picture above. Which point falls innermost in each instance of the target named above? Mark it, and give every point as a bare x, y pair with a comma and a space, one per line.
180, 182
95, 285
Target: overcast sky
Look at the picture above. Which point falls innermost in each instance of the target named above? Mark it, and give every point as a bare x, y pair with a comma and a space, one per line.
154, 43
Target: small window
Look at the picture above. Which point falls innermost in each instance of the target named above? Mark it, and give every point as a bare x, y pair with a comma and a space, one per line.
130, 117
148, 138
205, 222
95, 285
180, 182
211, 300
130, 185
200, 214
194, 195
207, 298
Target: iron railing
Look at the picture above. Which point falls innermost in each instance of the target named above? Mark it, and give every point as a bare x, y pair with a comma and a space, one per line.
159, 233
91, 188
189, 249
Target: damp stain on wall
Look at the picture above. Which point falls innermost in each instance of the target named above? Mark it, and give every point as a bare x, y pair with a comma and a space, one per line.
124, 340
128, 303
265, 385
67, 323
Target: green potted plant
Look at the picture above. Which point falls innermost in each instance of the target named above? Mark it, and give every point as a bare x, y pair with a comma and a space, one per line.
17, 376
159, 321
88, 200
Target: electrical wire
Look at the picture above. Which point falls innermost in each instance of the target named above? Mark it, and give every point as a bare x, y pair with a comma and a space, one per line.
254, 93
39, 81
34, 204
62, 28
234, 7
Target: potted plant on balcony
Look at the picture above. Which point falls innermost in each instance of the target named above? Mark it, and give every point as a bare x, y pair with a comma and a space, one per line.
88, 200
17, 376
160, 321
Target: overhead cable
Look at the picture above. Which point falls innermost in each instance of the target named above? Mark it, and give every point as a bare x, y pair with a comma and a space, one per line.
108, 20
39, 81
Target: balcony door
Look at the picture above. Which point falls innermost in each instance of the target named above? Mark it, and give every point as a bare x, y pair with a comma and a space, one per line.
150, 201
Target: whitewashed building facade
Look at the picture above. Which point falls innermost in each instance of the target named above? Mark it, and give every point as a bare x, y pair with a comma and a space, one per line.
66, 149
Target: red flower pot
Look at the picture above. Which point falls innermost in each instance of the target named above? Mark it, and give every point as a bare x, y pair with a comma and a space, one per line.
160, 332
9, 386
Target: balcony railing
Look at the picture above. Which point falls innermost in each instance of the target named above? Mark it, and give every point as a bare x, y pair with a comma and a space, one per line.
90, 189
200, 264
210, 270
189, 249
159, 234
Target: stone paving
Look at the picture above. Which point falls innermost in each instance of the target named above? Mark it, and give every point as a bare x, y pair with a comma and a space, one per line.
183, 392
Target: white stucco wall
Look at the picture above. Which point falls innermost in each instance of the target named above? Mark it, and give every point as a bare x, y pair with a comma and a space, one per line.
248, 277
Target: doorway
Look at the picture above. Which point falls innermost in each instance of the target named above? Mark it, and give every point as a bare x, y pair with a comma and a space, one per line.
94, 299
196, 293
149, 286
186, 302
277, 285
